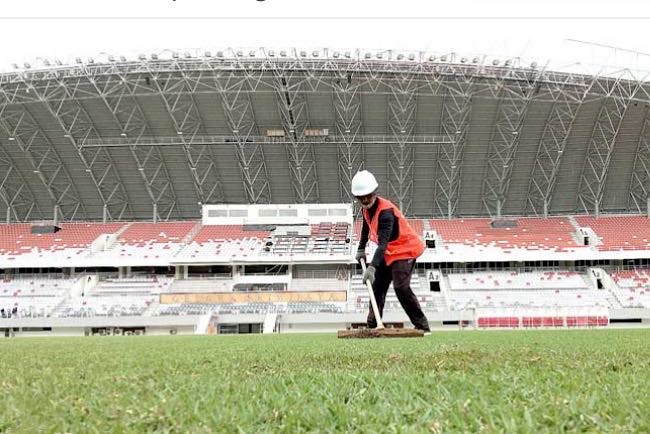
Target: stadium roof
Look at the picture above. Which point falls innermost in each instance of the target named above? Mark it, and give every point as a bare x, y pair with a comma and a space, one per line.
445, 136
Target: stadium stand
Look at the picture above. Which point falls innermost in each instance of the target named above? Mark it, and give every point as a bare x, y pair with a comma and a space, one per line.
495, 280
465, 299
632, 287
143, 241
619, 233
224, 242
531, 234
324, 238
32, 296
90, 306
74, 239
139, 285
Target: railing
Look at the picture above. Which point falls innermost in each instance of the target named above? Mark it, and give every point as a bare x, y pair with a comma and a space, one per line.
209, 276
319, 274
522, 269
51, 276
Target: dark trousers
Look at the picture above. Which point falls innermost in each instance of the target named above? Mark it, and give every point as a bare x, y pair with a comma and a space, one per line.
399, 272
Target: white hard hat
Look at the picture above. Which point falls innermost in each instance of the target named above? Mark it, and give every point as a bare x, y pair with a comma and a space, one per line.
363, 183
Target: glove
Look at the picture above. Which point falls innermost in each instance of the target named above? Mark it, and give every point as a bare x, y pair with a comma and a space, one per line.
361, 254
369, 275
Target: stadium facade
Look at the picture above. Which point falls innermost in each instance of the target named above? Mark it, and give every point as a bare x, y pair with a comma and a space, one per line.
127, 156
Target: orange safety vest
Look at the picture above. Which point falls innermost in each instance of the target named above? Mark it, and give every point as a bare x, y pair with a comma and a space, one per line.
408, 245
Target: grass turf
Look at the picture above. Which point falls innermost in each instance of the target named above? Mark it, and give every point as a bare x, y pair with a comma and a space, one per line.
518, 381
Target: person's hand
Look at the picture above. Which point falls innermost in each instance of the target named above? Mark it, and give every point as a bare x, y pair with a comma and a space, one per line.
369, 275
361, 254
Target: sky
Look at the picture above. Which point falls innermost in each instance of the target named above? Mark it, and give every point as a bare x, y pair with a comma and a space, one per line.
575, 35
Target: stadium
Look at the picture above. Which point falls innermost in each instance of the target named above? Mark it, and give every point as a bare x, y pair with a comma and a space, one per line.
191, 194
209, 194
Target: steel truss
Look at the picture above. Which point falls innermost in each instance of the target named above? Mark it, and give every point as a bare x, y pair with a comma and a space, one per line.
557, 127
292, 105
14, 192
350, 151
238, 108
61, 100
601, 144
319, 69
177, 88
514, 101
454, 123
128, 116
63, 89
333, 139
402, 114
24, 132
639, 199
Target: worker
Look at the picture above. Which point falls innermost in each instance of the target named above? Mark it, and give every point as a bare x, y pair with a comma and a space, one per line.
398, 246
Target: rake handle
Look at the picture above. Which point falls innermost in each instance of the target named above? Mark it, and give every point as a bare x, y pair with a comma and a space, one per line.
373, 301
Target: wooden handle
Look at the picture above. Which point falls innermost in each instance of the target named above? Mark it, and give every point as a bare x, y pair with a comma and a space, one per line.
373, 301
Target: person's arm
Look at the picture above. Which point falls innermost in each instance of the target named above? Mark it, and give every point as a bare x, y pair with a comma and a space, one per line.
384, 231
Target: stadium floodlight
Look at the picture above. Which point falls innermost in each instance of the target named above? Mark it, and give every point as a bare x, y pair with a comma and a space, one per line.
411, 57
207, 54
27, 65
271, 53
533, 65
508, 62
347, 55
219, 53
67, 136
495, 62
443, 58
123, 134
476, 60
463, 60
180, 133
91, 60
142, 57
303, 54
368, 55
14, 65
432, 58
251, 53
187, 55
11, 139
122, 59
240, 53
175, 55
111, 58
336, 54
283, 53
36, 171
141, 169
78, 60
46, 62
58, 62
314, 53
400, 57
154, 56
380, 56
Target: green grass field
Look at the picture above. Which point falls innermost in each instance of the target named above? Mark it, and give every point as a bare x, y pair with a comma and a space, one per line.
519, 381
